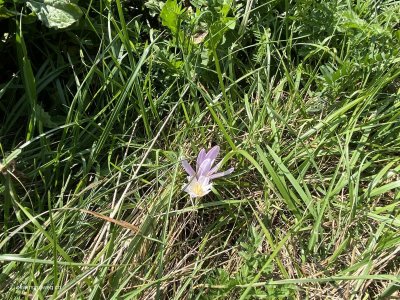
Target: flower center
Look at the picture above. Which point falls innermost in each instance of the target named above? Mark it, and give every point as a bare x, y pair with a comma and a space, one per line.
198, 189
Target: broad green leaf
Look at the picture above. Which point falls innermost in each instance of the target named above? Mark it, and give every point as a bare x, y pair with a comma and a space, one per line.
230, 22
170, 15
55, 13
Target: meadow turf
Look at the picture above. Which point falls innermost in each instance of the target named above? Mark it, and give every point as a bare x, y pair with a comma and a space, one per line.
303, 97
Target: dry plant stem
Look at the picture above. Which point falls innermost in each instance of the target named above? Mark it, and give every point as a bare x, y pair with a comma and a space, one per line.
118, 181
120, 201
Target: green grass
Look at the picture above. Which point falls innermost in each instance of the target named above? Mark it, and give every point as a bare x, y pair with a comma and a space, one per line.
302, 97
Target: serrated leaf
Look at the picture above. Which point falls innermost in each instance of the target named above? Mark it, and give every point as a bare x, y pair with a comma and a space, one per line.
230, 22
55, 13
44, 117
154, 7
170, 15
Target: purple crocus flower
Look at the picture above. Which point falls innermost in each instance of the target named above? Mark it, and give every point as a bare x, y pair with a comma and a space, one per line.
200, 180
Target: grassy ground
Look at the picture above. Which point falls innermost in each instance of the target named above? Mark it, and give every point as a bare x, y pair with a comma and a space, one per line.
303, 99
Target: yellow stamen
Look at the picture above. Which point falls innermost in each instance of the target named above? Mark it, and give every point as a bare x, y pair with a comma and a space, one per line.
198, 189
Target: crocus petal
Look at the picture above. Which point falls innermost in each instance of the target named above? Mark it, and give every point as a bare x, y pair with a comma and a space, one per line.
204, 180
220, 174
204, 168
188, 168
213, 153
200, 158
214, 169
